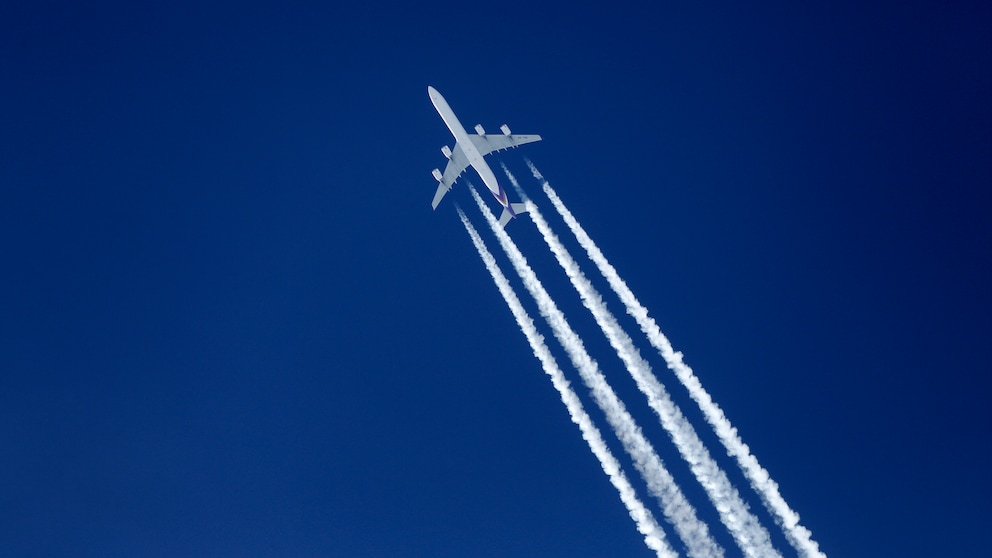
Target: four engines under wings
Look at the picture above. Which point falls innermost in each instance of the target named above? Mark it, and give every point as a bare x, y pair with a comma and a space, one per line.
485, 144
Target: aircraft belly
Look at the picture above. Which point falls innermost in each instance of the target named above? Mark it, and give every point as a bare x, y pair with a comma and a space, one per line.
489, 179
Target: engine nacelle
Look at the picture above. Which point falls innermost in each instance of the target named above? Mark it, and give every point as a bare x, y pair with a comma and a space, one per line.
505, 129
437, 174
446, 150
479, 130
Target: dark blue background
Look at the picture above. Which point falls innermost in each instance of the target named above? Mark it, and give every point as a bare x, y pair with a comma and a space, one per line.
231, 325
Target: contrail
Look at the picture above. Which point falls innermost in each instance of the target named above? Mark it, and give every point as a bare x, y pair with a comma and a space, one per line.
750, 535
677, 510
800, 537
654, 536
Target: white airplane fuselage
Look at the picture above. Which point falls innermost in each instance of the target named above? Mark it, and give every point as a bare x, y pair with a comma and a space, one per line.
475, 159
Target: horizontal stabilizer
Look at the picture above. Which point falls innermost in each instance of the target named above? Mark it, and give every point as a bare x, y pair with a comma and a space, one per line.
511, 213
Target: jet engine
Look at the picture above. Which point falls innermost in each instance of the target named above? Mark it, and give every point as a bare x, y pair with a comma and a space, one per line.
479, 130
446, 151
437, 174
505, 129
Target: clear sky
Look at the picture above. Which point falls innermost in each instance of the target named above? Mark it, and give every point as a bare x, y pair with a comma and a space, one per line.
232, 325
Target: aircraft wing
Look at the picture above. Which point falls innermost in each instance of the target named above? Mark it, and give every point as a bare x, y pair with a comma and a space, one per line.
489, 143
456, 166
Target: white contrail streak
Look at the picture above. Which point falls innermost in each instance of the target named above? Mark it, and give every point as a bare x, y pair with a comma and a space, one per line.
654, 536
677, 510
750, 535
800, 537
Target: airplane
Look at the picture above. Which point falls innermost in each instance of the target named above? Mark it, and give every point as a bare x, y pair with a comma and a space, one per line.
470, 150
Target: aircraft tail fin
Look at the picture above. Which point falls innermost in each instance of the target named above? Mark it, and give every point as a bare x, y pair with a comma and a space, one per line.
511, 212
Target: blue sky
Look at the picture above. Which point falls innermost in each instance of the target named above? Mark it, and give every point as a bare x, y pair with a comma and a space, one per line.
234, 327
